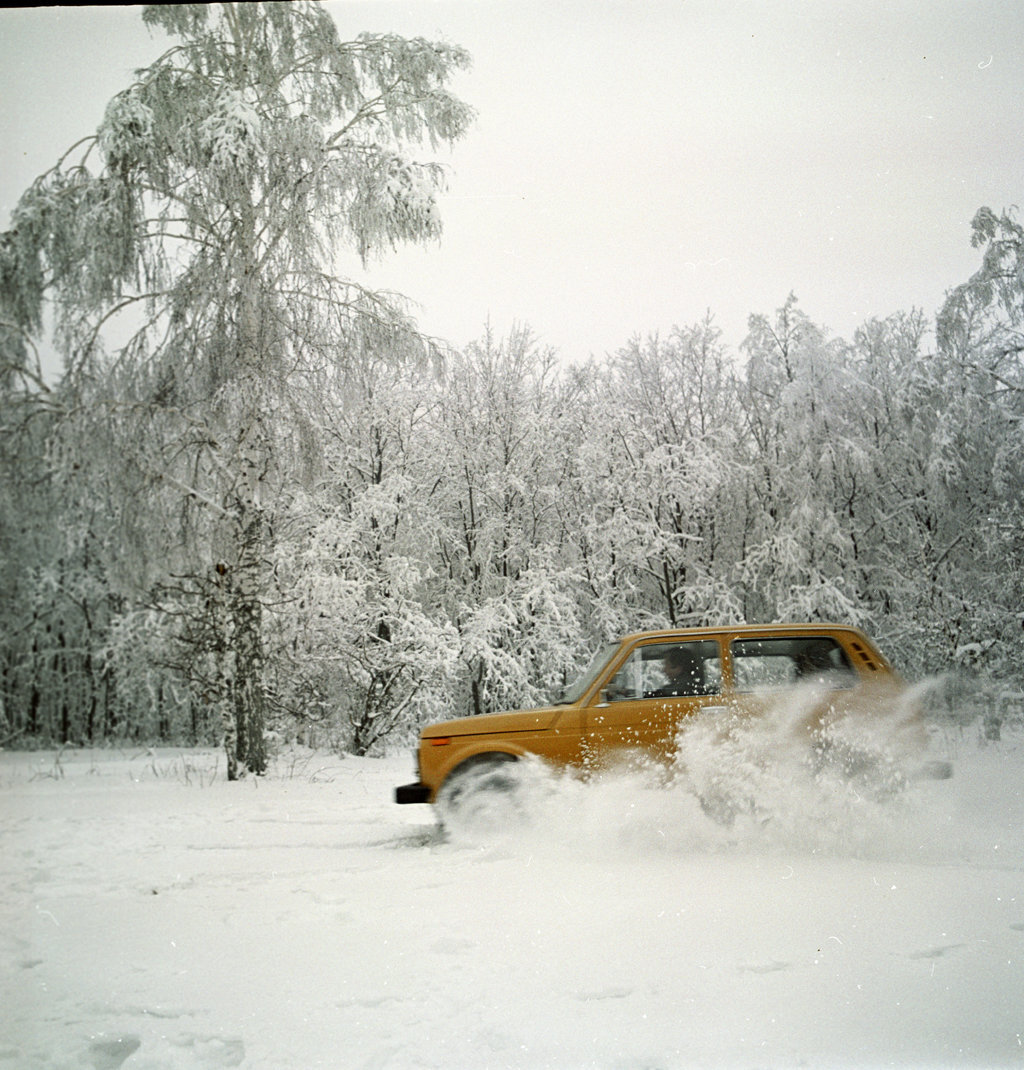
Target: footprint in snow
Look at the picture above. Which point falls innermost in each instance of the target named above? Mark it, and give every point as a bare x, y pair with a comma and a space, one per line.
451, 945
765, 967
933, 952
186, 1051
108, 1053
604, 993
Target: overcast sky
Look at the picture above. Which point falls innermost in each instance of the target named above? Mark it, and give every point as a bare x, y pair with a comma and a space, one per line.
637, 163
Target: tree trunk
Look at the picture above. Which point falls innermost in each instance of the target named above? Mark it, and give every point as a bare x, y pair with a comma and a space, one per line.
247, 629
249, 536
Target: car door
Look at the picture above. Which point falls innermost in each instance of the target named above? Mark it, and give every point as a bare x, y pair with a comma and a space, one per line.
797, 680
651, 692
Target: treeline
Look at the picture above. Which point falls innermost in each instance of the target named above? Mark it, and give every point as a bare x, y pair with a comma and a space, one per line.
259, 499
450, 536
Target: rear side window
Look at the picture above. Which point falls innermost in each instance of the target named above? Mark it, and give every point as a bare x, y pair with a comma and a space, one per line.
772, 664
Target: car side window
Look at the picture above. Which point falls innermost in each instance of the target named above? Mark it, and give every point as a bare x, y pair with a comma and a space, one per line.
668, 670
774, 664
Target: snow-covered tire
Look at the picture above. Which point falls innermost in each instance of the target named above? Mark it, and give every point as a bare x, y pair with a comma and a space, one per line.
483, 796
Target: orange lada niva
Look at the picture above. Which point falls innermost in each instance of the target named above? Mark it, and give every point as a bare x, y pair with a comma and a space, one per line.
636, 694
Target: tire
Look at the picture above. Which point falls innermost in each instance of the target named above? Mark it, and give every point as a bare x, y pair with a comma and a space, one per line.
483, 796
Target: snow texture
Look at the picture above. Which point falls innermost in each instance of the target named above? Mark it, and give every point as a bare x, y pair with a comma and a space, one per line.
156, 917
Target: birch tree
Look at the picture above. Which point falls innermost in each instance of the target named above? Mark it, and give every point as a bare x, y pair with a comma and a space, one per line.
191, 252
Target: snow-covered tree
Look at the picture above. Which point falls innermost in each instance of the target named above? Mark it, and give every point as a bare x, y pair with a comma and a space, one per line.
502, 455
980, 466
796, 544
191, 253
363, 650
662, 477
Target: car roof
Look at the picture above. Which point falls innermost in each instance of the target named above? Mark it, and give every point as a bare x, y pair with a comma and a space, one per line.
753, 630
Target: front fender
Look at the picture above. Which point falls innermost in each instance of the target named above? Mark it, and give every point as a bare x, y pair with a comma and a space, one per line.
436, 768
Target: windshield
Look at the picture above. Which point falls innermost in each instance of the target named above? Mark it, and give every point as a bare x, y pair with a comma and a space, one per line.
575, 691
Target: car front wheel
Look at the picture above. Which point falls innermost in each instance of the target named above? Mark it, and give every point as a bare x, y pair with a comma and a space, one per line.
483, 796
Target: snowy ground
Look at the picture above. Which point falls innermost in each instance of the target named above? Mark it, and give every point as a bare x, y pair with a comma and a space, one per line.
155, 916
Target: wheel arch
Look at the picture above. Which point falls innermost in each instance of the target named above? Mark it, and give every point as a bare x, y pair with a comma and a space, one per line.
483, 755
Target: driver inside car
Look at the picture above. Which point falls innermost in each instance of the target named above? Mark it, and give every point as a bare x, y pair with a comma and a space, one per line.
684, 675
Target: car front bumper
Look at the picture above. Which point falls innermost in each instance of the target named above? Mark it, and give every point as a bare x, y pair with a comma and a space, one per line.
412, 793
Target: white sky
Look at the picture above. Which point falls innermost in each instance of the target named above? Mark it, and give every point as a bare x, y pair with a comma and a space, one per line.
635, 164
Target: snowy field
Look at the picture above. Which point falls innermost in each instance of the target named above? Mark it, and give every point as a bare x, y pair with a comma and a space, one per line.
156, 916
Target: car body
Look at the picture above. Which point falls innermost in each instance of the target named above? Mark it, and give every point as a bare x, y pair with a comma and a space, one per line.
638, 693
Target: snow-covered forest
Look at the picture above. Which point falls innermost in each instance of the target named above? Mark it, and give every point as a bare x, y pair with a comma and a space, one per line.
257, 499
